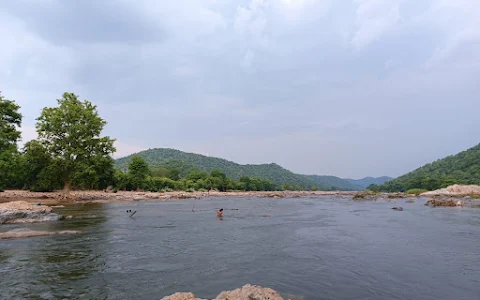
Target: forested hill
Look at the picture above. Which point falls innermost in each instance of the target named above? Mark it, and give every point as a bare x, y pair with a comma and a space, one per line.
463, 168
364, 182
187, 162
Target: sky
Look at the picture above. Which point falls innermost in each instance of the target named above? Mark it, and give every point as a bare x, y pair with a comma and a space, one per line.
350, 88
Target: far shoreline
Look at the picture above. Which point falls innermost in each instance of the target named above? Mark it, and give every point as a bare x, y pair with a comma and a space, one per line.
57, 197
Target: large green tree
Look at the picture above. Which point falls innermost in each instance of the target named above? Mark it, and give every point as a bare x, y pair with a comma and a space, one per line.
10, 121
71, 134
138, 171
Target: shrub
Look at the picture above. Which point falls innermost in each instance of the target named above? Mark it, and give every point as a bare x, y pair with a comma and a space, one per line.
115, 190
359, 196
189, 190
416, 191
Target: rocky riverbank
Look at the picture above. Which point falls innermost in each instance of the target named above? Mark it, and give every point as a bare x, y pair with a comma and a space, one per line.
247, 292
58, 198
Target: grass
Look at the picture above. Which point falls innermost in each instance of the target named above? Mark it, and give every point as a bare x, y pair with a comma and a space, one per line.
474, 196
416, 192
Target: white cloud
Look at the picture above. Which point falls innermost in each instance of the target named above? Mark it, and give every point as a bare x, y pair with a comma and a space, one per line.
374, 18
460, 22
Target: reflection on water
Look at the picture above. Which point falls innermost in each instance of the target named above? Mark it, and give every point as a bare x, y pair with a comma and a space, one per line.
323, 248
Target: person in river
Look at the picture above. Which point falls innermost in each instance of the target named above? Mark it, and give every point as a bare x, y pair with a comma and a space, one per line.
220, 212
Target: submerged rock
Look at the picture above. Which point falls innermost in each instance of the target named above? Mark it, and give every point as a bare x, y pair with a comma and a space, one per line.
23, 233
23, 212
399, 208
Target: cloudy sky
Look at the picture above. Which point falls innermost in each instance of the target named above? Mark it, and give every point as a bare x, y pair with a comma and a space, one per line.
341, 87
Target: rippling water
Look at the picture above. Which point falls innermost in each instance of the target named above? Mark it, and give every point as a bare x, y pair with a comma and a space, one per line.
318, 248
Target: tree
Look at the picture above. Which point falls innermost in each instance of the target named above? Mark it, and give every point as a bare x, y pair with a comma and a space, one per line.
71, 135
173, 174
138, 172
10, 121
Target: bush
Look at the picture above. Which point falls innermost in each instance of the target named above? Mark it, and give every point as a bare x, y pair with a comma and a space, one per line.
189, 190
115, 190
1, 190
416, 192
359, 196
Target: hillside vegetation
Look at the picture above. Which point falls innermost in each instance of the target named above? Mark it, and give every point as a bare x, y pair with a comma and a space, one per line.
365, 182
463, 168
188, 162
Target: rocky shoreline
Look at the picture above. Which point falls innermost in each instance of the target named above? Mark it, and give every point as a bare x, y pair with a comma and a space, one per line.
58, 198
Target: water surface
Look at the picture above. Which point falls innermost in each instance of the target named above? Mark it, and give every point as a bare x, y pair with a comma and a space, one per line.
315, 248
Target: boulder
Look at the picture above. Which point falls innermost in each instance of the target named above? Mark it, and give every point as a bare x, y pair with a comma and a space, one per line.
250, 292
399, 208
247, 292
447, 202
456, 190
181, 296
24, 212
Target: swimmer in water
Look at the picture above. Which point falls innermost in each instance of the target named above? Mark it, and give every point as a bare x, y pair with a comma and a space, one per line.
220, 212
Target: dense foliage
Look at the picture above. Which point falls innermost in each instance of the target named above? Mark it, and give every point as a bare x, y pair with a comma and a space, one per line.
188, 162
10, 120
463, 168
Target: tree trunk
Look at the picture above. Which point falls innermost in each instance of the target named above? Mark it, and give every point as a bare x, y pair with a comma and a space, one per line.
66, 188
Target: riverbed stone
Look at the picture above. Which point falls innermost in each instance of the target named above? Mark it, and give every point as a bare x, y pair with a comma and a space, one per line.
250, 292
23, 212
181, 296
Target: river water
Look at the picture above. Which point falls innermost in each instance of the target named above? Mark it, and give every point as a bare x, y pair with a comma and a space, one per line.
311, 248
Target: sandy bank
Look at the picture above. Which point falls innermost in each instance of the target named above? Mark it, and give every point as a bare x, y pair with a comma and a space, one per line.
56, 198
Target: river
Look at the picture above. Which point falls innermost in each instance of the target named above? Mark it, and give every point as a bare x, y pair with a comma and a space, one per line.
312, 248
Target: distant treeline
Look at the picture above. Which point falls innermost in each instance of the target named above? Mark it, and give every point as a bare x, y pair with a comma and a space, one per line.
71, 153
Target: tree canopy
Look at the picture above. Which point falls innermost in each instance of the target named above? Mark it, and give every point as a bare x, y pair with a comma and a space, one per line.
10, 121
70, 134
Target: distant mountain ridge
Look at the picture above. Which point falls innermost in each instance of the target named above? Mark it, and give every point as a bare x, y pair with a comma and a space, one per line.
365, 182
186, 162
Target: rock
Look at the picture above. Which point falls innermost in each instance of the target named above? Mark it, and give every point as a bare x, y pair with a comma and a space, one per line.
250, 292
399, 208
456, 190
181, 296
23, 212
109, 189
448, 203
23, 233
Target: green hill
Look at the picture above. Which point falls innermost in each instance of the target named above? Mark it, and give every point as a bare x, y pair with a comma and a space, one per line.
334, 183
463, 168
364, 182
186, 162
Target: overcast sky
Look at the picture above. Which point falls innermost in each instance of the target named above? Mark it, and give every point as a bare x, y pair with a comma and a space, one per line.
350, 88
